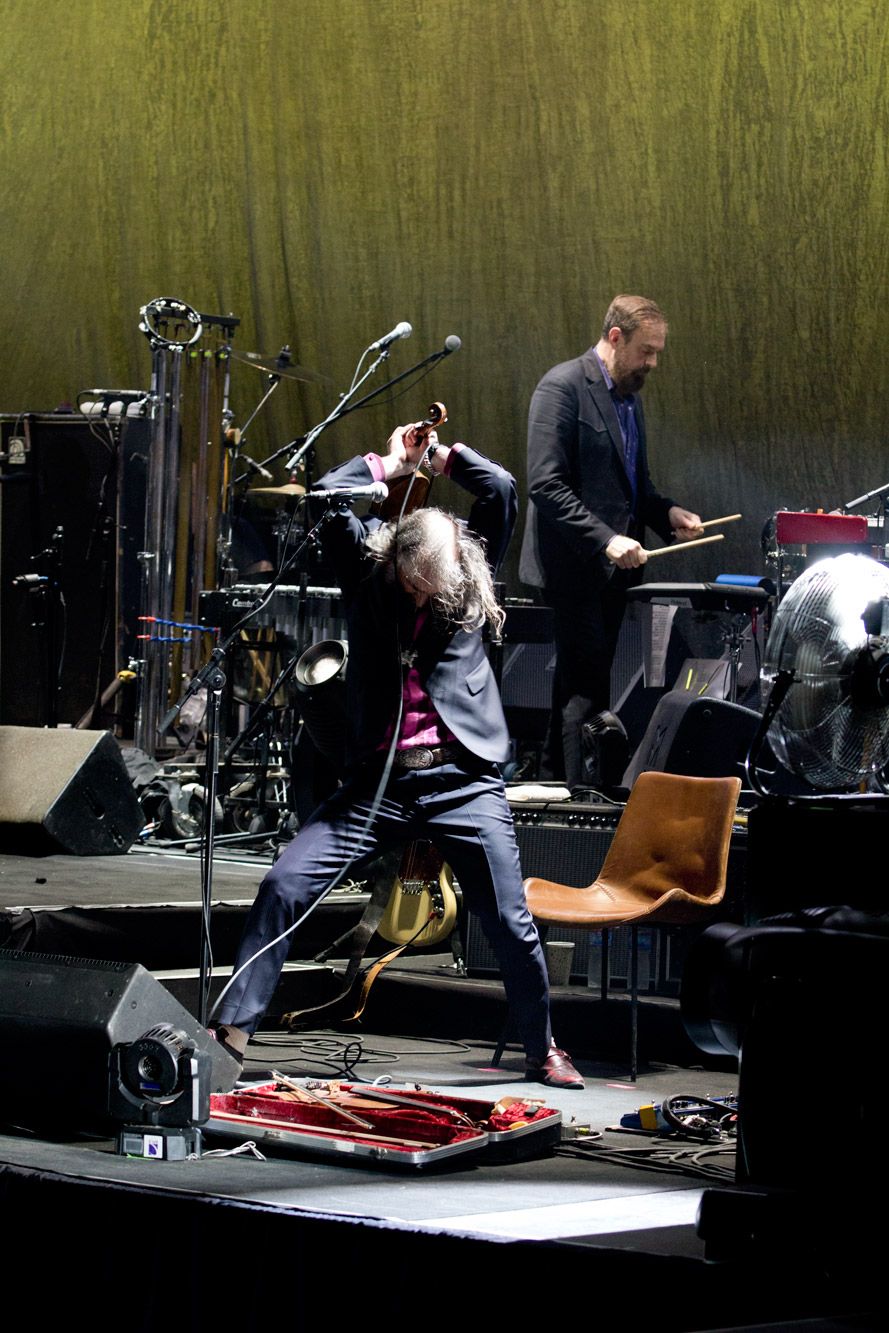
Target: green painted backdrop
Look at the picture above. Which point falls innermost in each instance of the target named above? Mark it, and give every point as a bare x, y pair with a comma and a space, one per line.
491, 168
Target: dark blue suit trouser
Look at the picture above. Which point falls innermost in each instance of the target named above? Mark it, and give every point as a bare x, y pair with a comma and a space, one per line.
585, 631
462, 809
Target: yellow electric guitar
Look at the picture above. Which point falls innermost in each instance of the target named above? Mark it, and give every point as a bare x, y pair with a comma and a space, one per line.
422, 907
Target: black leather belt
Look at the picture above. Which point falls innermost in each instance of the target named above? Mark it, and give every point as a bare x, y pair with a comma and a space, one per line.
422, 756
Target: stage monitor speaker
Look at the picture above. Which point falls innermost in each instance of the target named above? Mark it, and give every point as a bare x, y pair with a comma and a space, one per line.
697, 736
65, 791
60, 1020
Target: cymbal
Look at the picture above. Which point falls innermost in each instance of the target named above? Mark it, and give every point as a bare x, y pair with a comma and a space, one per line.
270, 365
271, 495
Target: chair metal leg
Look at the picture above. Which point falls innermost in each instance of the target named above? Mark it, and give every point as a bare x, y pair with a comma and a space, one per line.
505, 1035
634, 1003
603, 979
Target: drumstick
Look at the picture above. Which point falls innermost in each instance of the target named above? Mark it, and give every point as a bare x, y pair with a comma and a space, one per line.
683, 546
729, 518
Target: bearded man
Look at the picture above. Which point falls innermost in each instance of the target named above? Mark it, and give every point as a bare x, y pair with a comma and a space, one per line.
590, 499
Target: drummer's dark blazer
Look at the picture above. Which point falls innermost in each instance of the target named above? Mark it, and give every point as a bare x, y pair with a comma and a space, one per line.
578, 489
452, 663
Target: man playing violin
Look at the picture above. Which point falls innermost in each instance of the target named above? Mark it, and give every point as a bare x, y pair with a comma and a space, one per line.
425, 736
590, 499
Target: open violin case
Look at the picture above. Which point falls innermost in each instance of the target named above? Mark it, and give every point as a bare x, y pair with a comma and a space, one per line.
400, 1127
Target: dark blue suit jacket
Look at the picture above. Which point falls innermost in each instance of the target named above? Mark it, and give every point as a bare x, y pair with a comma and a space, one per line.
452, 663
578, 488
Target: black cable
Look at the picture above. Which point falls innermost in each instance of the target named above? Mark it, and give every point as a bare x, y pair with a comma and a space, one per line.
670, 1110
343, 1054
664, 1160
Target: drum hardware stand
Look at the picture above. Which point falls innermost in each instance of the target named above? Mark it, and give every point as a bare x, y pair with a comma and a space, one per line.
103, 592
235, 438
733, 641
254, 468
260, 769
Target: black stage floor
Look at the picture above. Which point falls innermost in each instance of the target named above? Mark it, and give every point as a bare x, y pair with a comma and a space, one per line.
600, 1225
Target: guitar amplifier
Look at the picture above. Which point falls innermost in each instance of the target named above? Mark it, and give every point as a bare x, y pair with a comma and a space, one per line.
565, 841
568, 841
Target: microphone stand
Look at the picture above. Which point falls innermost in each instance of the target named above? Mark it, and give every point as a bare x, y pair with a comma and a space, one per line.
340, 410
863, 499
212, 675
302, 443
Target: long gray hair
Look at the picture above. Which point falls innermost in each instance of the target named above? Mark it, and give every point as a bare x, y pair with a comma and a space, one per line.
433, 550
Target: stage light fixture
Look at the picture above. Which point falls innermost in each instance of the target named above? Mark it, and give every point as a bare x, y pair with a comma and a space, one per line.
159, 1090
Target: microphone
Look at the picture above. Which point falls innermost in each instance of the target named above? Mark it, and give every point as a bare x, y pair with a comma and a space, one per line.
452, 344
113, 402
257, 467
377, 490
402, 330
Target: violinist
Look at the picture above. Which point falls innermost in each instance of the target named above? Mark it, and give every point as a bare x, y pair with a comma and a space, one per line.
425, 736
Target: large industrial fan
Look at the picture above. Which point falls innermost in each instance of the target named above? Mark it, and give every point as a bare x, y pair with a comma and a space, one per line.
827, 666
797, 991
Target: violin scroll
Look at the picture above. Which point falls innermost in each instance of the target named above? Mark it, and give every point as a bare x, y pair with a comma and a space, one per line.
435, 417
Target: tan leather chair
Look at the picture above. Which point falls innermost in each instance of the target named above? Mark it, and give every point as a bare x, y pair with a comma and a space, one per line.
666, 864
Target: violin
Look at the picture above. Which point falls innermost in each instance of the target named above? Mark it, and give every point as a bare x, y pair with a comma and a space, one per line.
420, 480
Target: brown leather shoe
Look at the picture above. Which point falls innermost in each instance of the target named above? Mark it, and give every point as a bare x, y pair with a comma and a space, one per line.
219, 1034
557, 1071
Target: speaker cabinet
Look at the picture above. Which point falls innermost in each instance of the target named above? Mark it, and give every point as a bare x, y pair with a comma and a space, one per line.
65, 791
60, 1019
697, 736
61, 474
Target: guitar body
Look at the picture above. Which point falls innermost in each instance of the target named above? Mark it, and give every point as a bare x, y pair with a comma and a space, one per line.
422, 907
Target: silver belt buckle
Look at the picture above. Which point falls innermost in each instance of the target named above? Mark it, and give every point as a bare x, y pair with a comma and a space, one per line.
420, 756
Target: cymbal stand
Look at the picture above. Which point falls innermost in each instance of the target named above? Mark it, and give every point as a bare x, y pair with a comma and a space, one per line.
273, 380
235, 438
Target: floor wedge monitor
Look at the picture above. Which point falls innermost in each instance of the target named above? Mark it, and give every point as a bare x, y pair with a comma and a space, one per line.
65, 791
